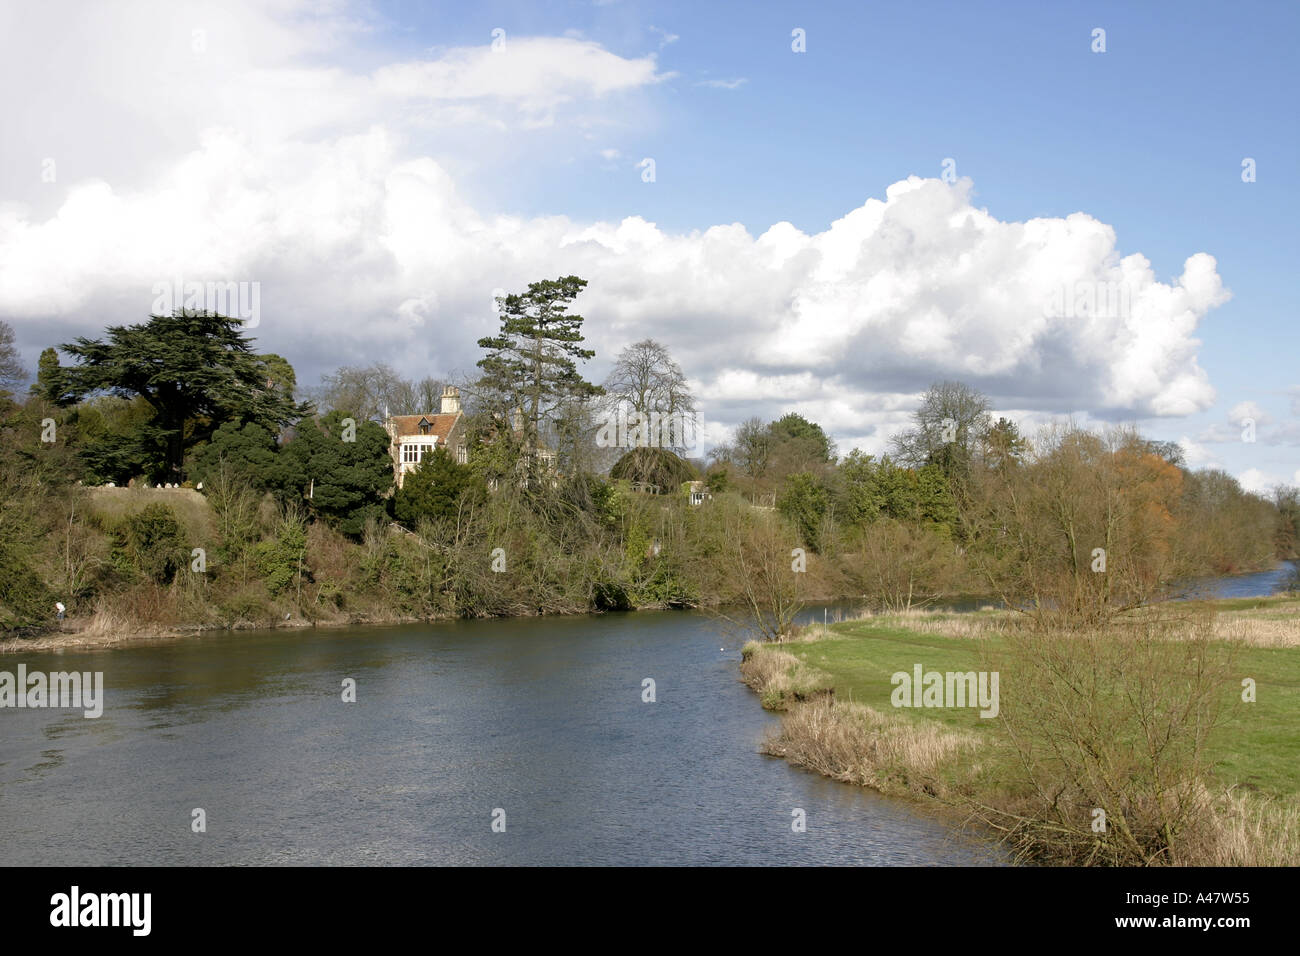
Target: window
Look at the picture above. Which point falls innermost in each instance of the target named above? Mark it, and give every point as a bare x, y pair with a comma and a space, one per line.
413, 452
462, 454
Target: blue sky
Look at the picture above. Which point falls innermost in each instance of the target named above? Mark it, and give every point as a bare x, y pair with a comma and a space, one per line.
1146, 138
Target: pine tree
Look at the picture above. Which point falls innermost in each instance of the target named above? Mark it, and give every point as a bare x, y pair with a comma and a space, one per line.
531, 368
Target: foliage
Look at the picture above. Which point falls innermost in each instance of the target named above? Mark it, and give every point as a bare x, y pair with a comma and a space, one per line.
196, 370
531, 363
150, 544
433, 490
343, 481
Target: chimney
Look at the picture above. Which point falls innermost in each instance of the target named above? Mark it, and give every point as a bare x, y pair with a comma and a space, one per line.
450, 400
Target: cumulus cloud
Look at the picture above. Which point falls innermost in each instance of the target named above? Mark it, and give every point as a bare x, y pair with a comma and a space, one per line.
367, 250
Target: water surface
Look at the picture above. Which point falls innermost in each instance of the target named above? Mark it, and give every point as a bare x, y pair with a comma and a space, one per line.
542, 718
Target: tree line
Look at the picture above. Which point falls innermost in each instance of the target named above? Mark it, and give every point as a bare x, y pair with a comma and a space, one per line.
302, 518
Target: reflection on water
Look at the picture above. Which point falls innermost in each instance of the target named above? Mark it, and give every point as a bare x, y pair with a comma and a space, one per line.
541, 718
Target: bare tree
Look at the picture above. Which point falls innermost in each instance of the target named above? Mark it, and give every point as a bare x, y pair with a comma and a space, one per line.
371, 391
646, 380
948, 425
759, 562
12, 372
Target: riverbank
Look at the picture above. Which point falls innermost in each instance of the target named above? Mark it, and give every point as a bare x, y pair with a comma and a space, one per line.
1145, 724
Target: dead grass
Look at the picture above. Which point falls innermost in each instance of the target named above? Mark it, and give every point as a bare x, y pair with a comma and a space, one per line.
111, 505
1253, 830
780, 678
965, 772
1262, 627
857, 744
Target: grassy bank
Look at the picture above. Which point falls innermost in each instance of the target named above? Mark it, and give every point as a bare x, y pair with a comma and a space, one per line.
1145, 723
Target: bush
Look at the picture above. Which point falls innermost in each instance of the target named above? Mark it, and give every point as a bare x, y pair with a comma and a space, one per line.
149, 544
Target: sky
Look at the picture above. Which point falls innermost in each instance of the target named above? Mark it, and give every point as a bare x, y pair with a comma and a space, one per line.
817, 208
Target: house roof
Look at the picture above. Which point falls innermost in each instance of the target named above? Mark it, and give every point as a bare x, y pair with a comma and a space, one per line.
441, 425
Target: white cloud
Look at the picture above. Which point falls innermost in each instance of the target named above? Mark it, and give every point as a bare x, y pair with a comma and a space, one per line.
665, 38
1263, 483
304, 177
1251, 410
725, 84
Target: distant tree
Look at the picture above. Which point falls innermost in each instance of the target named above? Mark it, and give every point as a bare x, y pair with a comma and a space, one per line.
197, 370
645, 380
366, 393
279, 373
248, 450
51, 384
859, 498
946, 429
1170, 451
1004, 447
805, 501
531, 365
12, 372
795, 429
752, 447
1286, 498
653, 466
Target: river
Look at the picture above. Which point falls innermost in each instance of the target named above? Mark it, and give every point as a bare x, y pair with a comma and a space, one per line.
540, 718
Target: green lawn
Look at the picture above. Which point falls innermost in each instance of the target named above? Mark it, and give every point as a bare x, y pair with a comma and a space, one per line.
1258, 746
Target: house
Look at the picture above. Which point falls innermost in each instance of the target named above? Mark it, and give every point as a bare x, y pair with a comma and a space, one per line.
697, 492
411, 437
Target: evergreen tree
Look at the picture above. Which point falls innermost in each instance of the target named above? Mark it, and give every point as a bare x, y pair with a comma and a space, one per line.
197, 370
433, 489
531, 365
343, 481
51, 384
12, 373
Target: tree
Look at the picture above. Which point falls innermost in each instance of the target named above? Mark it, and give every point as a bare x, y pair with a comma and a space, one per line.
752, 447
806, 502
12, 372
653, 466
51, 384
196, 369
370, 392
947, 427
248, 450
646, 381
1003, 445
433, 490
343, 481
531, 365
859, 498
807, 437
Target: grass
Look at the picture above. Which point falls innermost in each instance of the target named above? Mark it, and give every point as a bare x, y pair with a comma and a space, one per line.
112, 505
1258, 747
834, 688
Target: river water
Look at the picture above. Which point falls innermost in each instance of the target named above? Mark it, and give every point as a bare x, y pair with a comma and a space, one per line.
542, 719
